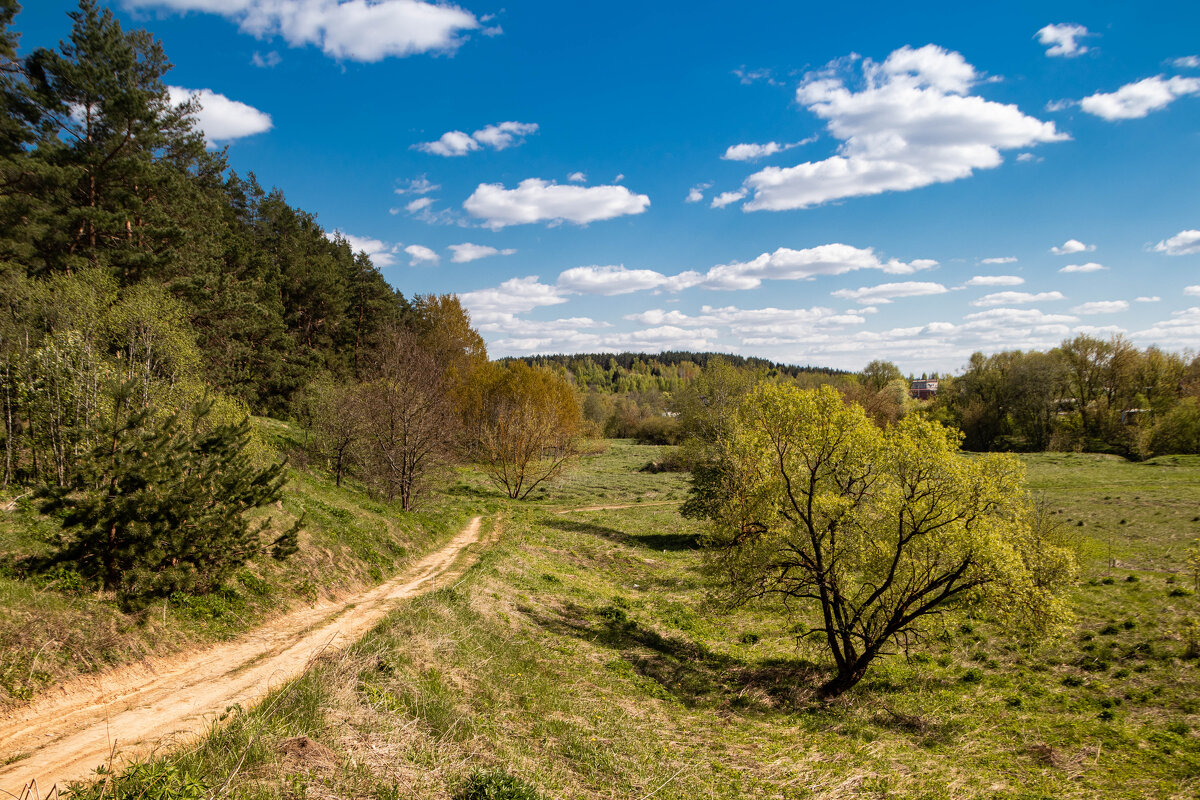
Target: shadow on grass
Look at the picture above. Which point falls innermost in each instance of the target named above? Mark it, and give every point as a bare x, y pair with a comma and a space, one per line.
689, 671
652, 541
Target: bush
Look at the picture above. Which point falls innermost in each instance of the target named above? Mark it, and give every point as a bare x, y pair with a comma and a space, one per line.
495, 785
159, 507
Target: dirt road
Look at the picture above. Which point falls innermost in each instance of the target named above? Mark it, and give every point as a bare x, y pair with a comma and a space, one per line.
69, 731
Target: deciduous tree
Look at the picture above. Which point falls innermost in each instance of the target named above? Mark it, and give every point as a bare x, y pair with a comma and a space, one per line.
523, 423
873, 530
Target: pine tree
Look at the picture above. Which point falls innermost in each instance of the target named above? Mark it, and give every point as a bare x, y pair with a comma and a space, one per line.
159, 506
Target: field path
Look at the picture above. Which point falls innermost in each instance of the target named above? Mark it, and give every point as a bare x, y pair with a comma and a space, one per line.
154, 703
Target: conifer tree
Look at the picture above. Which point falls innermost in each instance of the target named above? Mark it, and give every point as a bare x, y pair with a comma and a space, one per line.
159, 506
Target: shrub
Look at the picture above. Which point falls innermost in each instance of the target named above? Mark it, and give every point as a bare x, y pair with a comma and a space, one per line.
495, 785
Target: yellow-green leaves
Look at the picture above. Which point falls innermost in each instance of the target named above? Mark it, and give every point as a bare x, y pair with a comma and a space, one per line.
874, 528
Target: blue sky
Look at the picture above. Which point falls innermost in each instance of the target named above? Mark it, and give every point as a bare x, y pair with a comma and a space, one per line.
816, 185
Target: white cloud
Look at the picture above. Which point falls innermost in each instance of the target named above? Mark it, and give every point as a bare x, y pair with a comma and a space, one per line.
886, 292
1136, 100
421, 185
271, 59
1072, 246
996, 280
696, 193
421, 255
1181, 330
505, 134
1192, 290
1187, 62
381, 253
497, 137
1101, 307
1062, 39
577, 177
610, 280
420, 204
1091, 266
466, 252
1012, 298
1000, 260
1151, 299
1027, 157
788, 264
514, 296
536, 200
1184, 243
725, 198
356, 30
451, 143
750, 152
220, 118
913, 124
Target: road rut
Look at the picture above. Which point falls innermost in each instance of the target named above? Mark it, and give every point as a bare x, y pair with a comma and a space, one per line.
150, 704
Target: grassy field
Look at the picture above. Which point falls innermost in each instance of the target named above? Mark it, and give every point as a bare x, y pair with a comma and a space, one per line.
51, 628
581, 658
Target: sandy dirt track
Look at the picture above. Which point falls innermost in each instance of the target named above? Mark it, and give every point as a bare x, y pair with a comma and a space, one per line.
71, 730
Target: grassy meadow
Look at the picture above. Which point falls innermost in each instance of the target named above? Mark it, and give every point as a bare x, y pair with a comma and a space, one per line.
581, 658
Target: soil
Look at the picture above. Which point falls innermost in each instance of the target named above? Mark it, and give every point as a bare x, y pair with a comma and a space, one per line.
129, 711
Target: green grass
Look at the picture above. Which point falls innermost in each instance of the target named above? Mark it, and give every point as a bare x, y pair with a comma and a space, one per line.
583, 658
53, 627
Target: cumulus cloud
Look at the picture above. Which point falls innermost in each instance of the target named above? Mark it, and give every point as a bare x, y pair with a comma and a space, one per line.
498, 137
751, 152
1184, 243
355, 30
788, 264
696, 193
610, 280
1014, 298
886, 292
380, 252
1000, 260
514, 296
466, 252
1101, 307
1136, 100
725, 198
221, 119
1187, 62
421, 255
1182, 329
536, 200
1091, 266
996, 280
913, 124
1147, 299
577, 177
1192, 290
420, 204
1063, 39
1072, 246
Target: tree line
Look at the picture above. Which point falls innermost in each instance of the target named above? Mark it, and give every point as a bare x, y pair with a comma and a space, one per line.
1100, 395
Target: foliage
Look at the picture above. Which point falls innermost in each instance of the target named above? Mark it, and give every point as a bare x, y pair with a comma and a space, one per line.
495, 785
158, 780
522, 423
812, 504
158, 506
